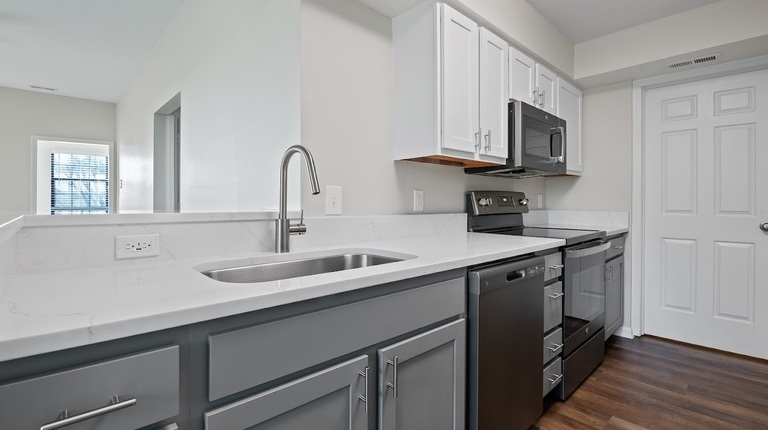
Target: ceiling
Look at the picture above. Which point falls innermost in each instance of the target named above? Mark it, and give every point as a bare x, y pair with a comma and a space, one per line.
581, 20
91, 49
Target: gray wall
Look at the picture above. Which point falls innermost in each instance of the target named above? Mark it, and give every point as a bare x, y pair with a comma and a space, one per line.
27, 113
346, 119
607, 142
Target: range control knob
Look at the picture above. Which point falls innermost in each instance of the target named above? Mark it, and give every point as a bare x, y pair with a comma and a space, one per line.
524, 202
485, 201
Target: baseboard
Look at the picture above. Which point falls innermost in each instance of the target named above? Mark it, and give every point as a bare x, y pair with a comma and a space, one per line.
624, 331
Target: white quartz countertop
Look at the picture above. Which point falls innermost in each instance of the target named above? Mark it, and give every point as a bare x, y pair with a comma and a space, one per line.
51, 311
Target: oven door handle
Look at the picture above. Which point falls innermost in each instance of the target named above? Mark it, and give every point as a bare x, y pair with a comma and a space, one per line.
578, 253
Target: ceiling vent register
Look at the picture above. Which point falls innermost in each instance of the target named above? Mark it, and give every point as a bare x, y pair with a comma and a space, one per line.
694, 61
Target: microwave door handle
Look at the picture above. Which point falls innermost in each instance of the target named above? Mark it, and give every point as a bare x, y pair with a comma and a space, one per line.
554, 132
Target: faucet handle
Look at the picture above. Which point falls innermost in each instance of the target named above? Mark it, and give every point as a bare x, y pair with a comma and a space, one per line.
299, 228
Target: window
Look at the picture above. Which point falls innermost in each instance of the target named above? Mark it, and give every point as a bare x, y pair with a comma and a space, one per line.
79, 183
72, 177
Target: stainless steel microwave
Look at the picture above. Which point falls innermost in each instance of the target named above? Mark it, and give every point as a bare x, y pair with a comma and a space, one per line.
536, 145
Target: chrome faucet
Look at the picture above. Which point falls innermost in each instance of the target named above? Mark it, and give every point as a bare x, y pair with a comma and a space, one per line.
283, 226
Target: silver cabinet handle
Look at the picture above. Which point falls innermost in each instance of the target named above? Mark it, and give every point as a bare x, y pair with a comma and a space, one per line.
541, 98
364, 398
488, 141
556, 380
393, 384
618, 247
65, 420
555, 347
764, 226
556, 267
535, 95
609, 273
556, 296
477, 139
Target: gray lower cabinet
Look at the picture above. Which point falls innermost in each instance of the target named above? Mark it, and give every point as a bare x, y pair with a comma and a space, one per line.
422, 381
331, 399
125, 393
614, 295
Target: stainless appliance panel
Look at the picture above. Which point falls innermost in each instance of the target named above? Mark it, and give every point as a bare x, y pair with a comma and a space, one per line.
584, 287
579, 365
504, 303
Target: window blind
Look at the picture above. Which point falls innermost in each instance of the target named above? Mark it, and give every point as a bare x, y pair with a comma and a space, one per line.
79, 184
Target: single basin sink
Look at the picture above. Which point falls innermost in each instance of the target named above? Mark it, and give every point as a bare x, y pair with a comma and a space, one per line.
273, 271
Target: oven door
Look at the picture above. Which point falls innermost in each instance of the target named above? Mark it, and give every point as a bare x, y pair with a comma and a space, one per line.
584, 287
541, 138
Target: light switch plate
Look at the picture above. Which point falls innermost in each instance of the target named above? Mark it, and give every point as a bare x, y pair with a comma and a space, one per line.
332, 200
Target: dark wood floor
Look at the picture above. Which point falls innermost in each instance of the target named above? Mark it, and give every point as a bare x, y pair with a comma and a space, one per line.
652, 383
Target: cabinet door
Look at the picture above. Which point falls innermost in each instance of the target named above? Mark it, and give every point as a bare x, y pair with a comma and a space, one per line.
546, 86
494, 98
614, 295
422, 381
522, 77
331, 399
569, 109
460, 46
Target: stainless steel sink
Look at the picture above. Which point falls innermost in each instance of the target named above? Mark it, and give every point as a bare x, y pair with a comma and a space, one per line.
277, 270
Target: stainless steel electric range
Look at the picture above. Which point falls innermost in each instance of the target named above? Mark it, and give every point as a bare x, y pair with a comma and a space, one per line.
583, 279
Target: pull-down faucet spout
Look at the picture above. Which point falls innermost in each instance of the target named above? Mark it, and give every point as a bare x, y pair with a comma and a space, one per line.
283, 227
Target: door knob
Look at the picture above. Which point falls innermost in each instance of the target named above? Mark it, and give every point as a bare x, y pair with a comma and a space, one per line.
764, 226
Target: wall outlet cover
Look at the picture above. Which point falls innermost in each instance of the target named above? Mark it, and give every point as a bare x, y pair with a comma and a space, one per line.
137, 246
418, 200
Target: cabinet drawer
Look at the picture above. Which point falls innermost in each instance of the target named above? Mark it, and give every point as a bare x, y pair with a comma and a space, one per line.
248, 357
553, 345
553, 374
617, 247
331, 398
553, 264
150, 378
553, 306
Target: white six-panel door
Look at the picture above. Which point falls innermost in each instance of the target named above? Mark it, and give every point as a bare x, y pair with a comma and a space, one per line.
705, 196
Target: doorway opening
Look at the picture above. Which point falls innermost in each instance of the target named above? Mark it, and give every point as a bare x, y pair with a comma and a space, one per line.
167, 157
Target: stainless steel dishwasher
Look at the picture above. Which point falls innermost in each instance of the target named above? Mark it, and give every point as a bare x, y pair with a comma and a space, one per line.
506, 309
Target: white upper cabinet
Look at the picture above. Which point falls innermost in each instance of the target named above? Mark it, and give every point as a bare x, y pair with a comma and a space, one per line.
450, 89
522, 77
460, 81
531, 82
569, 109
546, 89
494, 97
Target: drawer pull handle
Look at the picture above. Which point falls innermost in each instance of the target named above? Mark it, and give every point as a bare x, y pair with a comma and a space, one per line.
115, 405
364, 398
555, 347
618, 247
556, 267
556, 380
556, 296
393, 384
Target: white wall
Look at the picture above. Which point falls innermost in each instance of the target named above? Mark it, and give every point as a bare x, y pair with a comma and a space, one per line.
236, 65
607, 138
346, 119
27, 113
737, 28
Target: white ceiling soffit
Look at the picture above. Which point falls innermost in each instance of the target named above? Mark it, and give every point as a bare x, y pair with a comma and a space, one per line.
91, 49
581, 20
391, 8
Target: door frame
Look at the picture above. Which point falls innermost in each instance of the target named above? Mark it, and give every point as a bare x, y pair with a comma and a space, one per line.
637, 233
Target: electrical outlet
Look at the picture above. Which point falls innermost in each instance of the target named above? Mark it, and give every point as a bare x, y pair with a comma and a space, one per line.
137, 246
418, 200
332, 200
